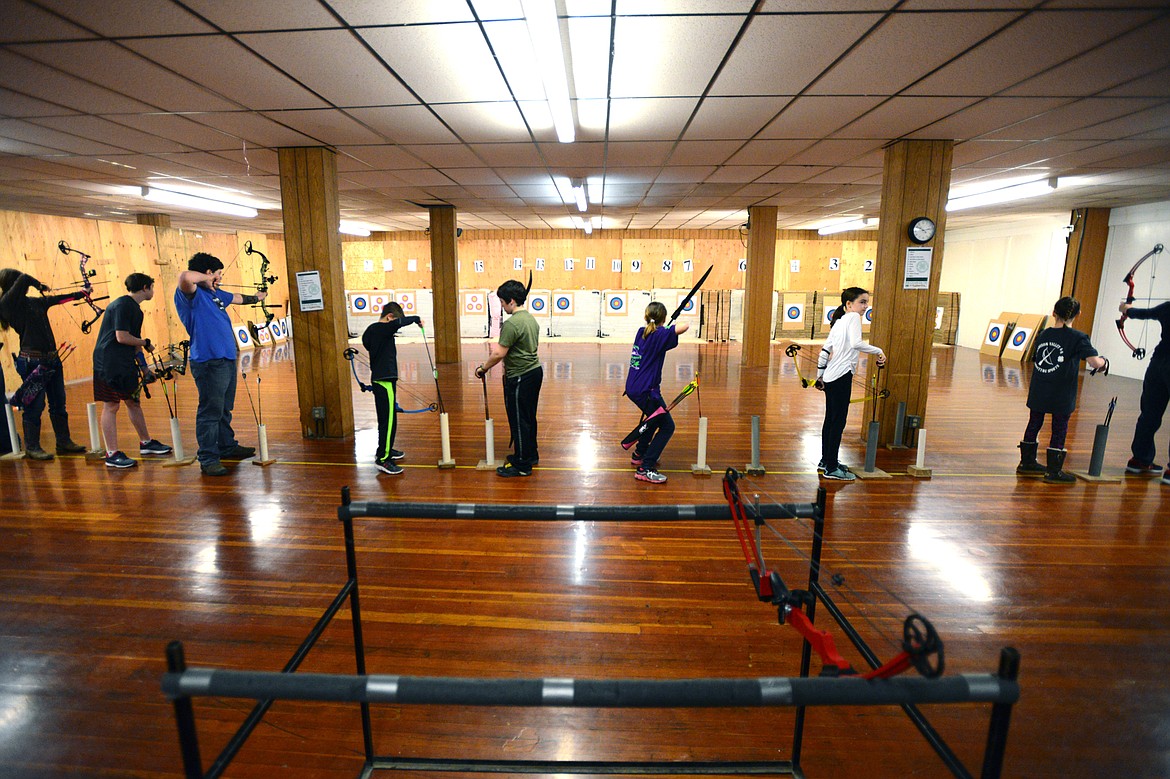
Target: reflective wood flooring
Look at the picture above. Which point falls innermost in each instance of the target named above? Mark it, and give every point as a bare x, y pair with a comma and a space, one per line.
100, 569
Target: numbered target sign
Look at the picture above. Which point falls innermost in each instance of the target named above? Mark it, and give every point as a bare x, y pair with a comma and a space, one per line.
474, 303
743, 265
615, 266
667, 266
794, 312
616, 304
517, 263
868, 266
569, 263
563, 303
540, 263
590, 263
479, 266
538, 302
834, 263
688, 266
359, 303
407, 301
635, 266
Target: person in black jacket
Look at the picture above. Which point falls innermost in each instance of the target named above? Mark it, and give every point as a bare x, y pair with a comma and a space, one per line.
1155, 395
1056, 364
379, 342
29, 317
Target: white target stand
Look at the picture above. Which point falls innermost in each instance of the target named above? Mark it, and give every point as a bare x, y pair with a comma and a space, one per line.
700, 467
17, 453
445, 441
262, 459
919, 469
489, 462
97, 452
180, 457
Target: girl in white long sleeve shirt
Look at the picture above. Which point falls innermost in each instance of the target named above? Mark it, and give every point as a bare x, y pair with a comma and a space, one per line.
835, 366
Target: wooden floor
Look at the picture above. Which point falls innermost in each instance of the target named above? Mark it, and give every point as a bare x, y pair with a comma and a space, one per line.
101, 569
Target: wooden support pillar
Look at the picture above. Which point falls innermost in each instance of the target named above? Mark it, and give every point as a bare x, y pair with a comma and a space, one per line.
1084, 261
758, 286
308, 194
915, 182
445, 278
153, 220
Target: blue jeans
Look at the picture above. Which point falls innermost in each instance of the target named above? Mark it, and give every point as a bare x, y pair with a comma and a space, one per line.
216, 382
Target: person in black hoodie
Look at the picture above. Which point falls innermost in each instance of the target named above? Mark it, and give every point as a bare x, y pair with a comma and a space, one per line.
379, 342
1155, 395
29, 317
1056, 364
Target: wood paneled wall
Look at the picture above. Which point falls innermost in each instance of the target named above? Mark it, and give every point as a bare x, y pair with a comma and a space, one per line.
28, 242
488, 258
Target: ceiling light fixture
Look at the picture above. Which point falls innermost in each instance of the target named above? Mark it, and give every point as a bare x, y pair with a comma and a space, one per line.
1004, 195
544, 29
353, 228
579, 194
166, 197
852, 224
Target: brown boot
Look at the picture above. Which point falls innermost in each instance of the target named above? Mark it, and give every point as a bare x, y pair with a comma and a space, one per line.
38, 454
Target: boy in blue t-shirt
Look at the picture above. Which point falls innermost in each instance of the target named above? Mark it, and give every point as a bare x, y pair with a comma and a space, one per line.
644, 388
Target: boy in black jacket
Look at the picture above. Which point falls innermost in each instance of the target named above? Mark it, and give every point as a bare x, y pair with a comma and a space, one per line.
379, 342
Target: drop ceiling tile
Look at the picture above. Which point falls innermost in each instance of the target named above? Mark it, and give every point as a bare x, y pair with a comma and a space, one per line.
411, 12
1155, 84
646, 54
721, 118
651, 119
525, 177
254, 128
123, 18
446, 155
575, 156
703, 152
768, 152
376, 157
14, 146
327, 127
1153, 122
378, 179
901, 116
116, 135
817, 117
18, 106
493, 122
179, 128
972, 152
448, 63
842, 175
737, 174
50, 139
508, 155
255, 162
687, 174
354, 76
933, 38
629, 153
25, 22
38, 80
224, 66
833, 152
244, 17
404, 124
1014, 56
781, 55
1070, 117
986, 116
788, 174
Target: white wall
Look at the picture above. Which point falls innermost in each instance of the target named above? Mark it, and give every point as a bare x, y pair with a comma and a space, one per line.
1133, 231
1013, 266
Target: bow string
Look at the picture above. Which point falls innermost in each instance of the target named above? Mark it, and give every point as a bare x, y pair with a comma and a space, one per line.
1138, 352
86, 285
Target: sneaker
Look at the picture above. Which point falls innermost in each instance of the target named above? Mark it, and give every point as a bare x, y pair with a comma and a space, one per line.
1142, 469
213, 469
388, 466
69, 447
397, 454
119, 460
238, 452
839, 474
154, 447
649, 475
511, 470
512, 458
38, 454
636, 461
821, 466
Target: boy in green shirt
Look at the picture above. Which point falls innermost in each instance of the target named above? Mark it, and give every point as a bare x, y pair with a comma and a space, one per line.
523, 375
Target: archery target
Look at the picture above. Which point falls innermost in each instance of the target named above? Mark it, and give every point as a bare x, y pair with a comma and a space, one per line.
279, 331
474, 303
538, 302
263, 336
689, 308
378, 302
1020, 337
616, 303
828, 315
563, 303
359, 303
243, 337
794, 313
938, 315
407, 301
994, 333
868, 318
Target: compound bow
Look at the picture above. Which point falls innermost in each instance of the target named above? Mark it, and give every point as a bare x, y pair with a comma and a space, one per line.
1139, 353
262, 284
351, 354
793, 349
86, 284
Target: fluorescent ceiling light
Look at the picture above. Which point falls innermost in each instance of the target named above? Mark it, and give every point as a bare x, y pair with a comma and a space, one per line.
594, 189
211, 192
1004, 195
353, 228
155, 195
595, 221
579, 196
581, 223
852, 224
544, 30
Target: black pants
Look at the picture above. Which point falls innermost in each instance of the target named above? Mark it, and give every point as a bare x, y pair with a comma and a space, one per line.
658, 430
837, 394
5, 445
521, 395
385, 395
1155, 395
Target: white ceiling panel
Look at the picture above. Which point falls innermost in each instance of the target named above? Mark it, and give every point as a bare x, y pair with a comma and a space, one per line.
257, 130
653, 119
404, 124
587, 156
492, 122
24, 148
18, 106
719, 118
685, 174
55, 140
374, 179
628, 153
1013, 55
508, 155
362, 12
120, 18
1109, 155
96, 128
842, 175
901, 116
179, 128
791, 174
703, 152
1156, 84
245, 17
447, 155
125, 72
972, 152
376, 157
649, 59
47, 83
829, 152
781, 55
24, 22
818, 117
330, 128
448, 63
1151, 123
909, 46
354, 77
221, 64
1070, 117
986, 116
1047, 155
768, 152
255, 162
737, 174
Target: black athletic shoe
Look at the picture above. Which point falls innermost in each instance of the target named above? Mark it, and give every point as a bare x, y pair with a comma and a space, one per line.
154, 447
119, 460
388, 466
213, 469
238, 452
397, 454
511, 470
